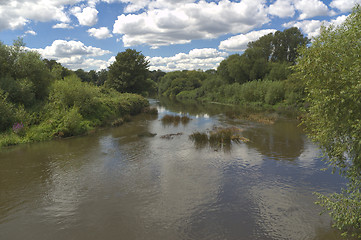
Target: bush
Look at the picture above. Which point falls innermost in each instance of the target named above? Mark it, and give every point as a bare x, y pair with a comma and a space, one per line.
72, 92
7, 112
72, 123
275, 93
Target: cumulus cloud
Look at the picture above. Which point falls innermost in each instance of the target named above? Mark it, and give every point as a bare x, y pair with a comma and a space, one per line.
74, 54
282, 8
182, 23
100, 33
311, 8
30, 32
77, 62
106, 64
206, 58
312, 27
62, 25
344, 5
15, 14
87, 16
239, 42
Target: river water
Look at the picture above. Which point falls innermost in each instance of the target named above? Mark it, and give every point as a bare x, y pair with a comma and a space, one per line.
121, 183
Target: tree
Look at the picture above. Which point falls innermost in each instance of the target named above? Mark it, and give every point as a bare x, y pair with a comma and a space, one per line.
331, 72
286, 44
102, 77
129, 72
24, 76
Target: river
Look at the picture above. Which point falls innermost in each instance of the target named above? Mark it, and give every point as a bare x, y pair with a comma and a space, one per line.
120, 183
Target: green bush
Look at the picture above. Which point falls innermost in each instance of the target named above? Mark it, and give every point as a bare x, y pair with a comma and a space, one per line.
275, 93
72, 92
7, 112
72, 123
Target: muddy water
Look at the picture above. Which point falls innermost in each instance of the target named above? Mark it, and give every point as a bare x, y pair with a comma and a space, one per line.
124, 183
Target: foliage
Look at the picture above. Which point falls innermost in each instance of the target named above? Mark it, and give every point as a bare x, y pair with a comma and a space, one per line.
7, 115
129, 72
23, 75
71, 92
176, 82
331, 71
268, 57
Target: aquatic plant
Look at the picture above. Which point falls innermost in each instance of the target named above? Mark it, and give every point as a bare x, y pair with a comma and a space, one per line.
150, 110
171, 135
218, 137
117, 122
175, 120
199, 137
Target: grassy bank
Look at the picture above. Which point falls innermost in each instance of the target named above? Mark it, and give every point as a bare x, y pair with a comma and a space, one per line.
73, 108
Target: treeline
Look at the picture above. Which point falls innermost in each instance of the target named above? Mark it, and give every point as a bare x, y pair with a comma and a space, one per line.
261, 75
41, 99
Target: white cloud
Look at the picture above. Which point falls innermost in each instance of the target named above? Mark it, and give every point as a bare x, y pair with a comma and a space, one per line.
312, 27
181, 23
107, 63
74, 54
62, 48
100, 33
282, 8
62, 25
87, 16
78, 62
30, 32
239, 42
15, 14
344, 5
206, 58
311, 8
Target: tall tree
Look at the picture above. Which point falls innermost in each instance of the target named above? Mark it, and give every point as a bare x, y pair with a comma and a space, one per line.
331, 71
286, 43
129, 72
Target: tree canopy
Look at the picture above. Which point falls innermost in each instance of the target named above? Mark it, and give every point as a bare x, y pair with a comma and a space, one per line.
331, 69
129, 72
261, 56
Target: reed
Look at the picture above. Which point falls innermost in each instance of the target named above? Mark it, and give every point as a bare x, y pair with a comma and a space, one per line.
219, 137
150, 110
175, 120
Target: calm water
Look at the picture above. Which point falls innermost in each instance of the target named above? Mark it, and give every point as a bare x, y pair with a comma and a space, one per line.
119, 184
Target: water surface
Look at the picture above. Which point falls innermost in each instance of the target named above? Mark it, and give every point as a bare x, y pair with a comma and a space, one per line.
120, 183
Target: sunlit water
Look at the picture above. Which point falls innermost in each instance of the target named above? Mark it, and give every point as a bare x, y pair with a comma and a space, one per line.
120, 184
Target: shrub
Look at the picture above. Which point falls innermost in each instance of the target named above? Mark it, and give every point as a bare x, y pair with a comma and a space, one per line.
275, 93
7, 112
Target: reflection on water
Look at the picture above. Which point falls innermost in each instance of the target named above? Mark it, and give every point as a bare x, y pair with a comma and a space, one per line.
282, 140
122, 183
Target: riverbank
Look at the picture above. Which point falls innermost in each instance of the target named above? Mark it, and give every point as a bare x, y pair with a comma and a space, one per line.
57, 119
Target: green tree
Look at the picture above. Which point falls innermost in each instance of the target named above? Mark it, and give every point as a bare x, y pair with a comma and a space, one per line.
331, 71
129, 72
23, 75
286, 43
7, 112
102, 77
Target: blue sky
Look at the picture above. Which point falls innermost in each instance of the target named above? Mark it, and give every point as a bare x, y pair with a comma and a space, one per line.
174, 35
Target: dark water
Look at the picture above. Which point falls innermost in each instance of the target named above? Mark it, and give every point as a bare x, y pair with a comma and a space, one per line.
120, 184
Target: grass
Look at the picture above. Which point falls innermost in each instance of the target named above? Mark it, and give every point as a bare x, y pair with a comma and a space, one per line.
218, 137
175, 120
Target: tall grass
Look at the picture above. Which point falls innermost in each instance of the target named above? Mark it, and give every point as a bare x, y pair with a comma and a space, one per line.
219, 137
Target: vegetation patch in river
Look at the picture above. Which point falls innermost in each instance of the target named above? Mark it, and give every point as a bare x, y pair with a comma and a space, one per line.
175, 120
171, 135
218, 137
150, 110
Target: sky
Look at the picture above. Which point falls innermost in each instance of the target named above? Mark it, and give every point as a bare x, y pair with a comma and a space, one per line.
172, 34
